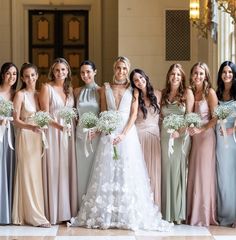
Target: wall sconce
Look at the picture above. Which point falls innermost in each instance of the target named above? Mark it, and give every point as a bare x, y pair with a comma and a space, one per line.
196, 18
228, 6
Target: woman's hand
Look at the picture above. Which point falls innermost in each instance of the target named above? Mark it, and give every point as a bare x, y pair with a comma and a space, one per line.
93, 133
229, 131
193, 130
118, 139
175, 134
35, 128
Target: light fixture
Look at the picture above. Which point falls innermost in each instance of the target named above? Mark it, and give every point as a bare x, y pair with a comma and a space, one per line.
197, 17
228, 6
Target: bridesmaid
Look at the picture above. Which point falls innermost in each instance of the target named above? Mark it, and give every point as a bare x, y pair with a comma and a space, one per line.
225, 157
59, 163
28, 205
8, 82
87, 100
176, 99
201, 196
147, 124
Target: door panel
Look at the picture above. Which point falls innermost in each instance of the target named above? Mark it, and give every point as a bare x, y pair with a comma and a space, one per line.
55, 34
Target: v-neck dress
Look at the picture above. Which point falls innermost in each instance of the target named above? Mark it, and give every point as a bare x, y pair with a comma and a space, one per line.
59, 166
119, 193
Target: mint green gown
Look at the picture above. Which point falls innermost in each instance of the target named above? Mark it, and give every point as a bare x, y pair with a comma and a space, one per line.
87, 101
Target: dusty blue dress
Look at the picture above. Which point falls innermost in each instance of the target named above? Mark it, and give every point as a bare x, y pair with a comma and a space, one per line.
7, 170
87, 101
226, 172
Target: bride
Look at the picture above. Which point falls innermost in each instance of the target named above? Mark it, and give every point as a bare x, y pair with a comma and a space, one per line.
119, 193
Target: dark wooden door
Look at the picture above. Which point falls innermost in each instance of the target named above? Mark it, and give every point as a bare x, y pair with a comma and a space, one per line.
56, 33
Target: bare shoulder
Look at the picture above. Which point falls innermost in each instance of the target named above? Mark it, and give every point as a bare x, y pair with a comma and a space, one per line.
19, 95
158, 94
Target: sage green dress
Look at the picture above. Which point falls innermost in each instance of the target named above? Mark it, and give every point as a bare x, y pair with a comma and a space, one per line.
174, 170
87, 101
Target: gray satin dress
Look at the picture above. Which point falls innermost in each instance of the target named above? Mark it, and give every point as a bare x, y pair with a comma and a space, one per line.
7, 170
87, 101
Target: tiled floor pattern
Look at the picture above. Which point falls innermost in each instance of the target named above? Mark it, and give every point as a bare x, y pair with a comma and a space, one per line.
61, 232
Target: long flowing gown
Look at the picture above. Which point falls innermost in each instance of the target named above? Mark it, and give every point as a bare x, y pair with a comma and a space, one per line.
149, 137
119, 194
201, 193
59, 166
174, 169
7, 172
28, 204
87, 101
226, 171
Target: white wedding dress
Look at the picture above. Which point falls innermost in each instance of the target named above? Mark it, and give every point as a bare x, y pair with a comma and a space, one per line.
119, 193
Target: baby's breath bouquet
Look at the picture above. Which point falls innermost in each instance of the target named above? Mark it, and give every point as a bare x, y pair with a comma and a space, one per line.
42, 119
222, 112
107, 123
88, 122
67, 114
172, 123
6, 109
193, 120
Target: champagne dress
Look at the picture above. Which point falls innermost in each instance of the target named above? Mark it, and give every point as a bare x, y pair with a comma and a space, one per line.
28, 204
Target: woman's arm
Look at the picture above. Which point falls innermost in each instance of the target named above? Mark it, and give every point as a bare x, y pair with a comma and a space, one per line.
189, 101
17, 102
132, 118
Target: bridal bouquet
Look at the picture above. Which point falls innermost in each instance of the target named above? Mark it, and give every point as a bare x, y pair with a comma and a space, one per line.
88, 122
6, 109
42, 119
67, 114
172, 123
222, 112
193, 120
107, 123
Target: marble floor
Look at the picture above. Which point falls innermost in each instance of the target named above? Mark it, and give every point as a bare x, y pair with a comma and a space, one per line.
61, 232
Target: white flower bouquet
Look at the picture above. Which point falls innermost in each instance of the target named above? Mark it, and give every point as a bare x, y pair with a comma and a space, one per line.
222, 112
6, 109
193, 120
172, 123
88, 122
42, 119
107, 123
67, 114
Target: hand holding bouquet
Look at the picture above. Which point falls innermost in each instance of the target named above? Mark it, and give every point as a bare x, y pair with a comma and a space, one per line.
172, 123
67, 114
88, 122
193, 120
108, 122
222, 112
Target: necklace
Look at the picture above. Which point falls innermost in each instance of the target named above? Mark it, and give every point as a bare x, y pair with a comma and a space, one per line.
120, 82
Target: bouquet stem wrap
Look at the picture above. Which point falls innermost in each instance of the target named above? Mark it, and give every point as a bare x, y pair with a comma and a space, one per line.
222, 125
87, 131
3, 129
45, 141
171, 142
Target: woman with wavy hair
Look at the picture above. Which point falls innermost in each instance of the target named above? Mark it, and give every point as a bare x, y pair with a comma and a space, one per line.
201, 195
147, 124
59, 163
226, 146
176, 99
